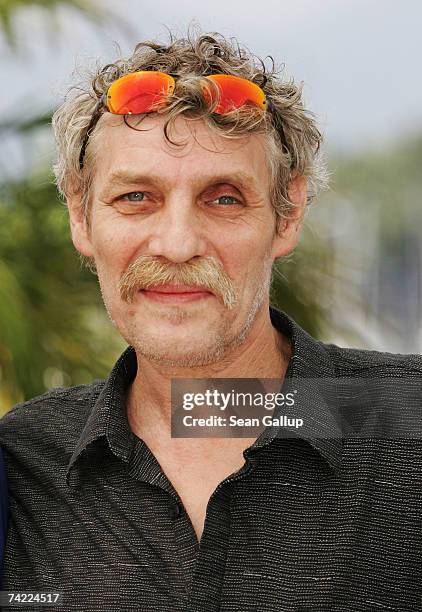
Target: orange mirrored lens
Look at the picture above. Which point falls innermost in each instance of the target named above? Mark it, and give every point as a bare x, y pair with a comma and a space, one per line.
234, 93
139, 92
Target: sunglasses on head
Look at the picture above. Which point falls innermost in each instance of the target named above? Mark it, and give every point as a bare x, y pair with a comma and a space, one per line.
146, 91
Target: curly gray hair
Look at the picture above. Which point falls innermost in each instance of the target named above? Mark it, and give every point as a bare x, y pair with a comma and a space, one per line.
293, 139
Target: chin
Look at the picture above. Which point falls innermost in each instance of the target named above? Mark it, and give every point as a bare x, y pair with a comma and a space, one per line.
180, 356
185, 345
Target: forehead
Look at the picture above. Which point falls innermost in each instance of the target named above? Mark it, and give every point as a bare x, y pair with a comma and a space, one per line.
115, 147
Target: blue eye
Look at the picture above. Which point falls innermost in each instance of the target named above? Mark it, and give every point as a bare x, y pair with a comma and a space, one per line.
134, 196
227, 197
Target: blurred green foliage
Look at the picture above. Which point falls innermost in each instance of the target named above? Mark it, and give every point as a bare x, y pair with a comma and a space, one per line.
53, 328
390, 181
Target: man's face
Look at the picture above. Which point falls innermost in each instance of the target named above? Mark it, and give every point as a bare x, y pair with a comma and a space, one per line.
207, 202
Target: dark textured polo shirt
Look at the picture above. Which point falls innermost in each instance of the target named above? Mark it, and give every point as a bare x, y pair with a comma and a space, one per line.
308, 523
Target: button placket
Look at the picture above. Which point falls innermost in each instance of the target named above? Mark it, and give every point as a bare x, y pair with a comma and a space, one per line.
186, 542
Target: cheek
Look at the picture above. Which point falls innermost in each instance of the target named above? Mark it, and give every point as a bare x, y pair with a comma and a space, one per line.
113, 248
238, 246
248, 258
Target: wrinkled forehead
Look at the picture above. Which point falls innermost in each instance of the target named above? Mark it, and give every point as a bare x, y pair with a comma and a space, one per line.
142, 142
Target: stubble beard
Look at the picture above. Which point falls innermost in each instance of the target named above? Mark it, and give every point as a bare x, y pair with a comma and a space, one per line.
220, 349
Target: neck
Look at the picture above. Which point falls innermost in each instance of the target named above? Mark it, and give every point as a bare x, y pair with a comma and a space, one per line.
265, 353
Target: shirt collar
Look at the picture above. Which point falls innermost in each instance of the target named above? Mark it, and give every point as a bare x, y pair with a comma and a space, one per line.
108, 415
309, 360
312, 368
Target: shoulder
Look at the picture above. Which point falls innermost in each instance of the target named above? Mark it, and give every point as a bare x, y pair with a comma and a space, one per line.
362, 362
61, 410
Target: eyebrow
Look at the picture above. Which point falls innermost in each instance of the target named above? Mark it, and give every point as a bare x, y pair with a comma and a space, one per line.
121, 178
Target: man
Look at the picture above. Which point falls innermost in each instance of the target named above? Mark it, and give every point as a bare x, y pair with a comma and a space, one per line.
187, 169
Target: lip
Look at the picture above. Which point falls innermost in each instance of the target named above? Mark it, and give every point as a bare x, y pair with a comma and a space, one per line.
176, 289
175, 294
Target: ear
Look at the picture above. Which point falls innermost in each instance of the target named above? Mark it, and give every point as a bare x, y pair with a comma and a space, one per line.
288, 234
81, 235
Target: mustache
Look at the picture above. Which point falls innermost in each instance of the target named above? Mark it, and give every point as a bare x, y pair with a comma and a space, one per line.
206, 273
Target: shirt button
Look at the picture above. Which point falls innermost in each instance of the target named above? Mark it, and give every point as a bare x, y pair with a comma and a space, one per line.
175, 511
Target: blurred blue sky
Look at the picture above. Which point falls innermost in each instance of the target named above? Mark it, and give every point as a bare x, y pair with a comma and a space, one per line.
359, 59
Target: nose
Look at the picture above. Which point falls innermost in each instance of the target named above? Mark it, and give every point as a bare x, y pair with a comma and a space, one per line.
177, 234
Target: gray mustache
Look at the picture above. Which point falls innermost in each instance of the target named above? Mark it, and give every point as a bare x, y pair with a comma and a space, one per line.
205, 273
